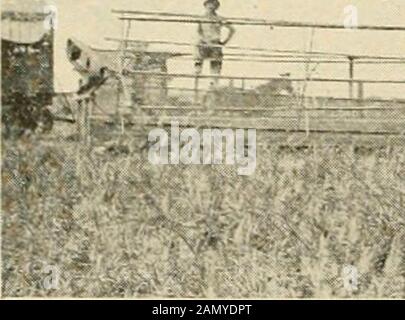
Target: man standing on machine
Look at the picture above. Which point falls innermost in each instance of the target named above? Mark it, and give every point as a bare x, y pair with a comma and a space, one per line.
209, 46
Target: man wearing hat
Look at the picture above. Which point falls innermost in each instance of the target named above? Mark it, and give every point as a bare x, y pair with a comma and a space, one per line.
210, 44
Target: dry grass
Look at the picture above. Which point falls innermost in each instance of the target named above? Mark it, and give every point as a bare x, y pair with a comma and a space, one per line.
116, 226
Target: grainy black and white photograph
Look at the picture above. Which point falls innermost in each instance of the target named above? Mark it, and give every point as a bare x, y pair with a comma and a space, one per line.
203, 149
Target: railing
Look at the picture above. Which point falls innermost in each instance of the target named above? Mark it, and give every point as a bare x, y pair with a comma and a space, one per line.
263, 55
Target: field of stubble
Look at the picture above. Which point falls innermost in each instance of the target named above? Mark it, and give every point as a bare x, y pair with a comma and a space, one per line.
106, 223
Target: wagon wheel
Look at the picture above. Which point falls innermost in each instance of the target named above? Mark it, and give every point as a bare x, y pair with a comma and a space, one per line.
45, 120
14, 121
6, 123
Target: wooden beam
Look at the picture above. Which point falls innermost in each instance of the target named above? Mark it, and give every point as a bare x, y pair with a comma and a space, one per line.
336, 80
350, 126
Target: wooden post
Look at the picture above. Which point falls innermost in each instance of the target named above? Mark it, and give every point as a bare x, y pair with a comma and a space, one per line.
79, 120
84, 119
81, 105
360, 92
89, 113
360, 96
351, 76
196, 89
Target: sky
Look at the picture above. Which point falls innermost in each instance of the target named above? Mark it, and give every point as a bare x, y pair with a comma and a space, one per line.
91, 21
